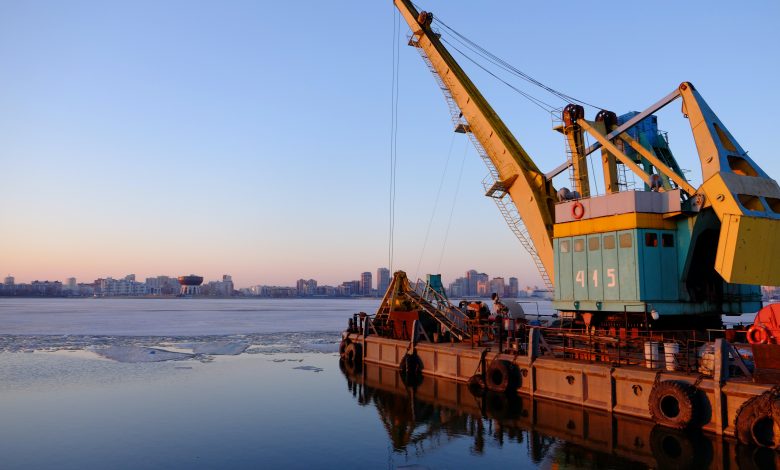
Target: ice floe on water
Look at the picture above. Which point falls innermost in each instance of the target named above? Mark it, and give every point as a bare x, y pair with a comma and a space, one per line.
311, 368
140, 354
139, 349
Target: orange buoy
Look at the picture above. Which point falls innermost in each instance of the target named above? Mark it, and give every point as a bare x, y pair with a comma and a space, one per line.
757, 334
577, 210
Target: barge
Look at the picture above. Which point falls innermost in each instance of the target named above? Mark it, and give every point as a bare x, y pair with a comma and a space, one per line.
708, 384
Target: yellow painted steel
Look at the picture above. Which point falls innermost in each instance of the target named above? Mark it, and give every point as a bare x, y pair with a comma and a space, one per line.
608, 162
533, 196
681, 183
613, 223
601, 138
579, 161
748, 250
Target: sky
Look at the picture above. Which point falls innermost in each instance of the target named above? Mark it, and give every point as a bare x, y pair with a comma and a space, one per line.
253, 138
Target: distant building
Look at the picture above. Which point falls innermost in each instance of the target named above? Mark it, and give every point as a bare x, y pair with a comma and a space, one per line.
110, 287
71, 286
190, 285
382, 281
497, 285
459, 288
130, 277
366, 284
514, 287
349, 288
8, 281
306, 288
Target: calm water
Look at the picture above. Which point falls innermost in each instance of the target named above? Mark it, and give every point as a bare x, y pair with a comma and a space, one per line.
283, 402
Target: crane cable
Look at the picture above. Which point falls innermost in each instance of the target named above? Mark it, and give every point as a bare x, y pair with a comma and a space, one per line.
484, 53
452, 208
435, 205
394, 133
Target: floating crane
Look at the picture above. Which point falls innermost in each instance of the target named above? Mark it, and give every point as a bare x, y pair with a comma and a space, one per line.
680, 255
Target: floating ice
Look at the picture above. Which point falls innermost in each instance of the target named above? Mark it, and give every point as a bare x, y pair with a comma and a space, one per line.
311, 368
140, 354
221, 348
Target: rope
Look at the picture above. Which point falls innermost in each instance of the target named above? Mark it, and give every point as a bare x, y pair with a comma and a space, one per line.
541, 104
394, 133
435, 205
509, 67
452, 209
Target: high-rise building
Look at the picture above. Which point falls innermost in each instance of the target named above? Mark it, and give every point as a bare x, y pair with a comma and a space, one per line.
71, 285
382, 281
8, 281
497, 285
471, 275
365, 284
514, 287
306, 288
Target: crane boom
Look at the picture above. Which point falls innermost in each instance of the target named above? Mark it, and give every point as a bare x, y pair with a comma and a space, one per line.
532, 194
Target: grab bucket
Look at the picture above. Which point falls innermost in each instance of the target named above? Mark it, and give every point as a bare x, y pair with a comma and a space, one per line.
651, 355
670, 352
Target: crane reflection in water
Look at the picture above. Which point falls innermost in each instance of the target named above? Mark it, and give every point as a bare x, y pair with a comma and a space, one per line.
421, 418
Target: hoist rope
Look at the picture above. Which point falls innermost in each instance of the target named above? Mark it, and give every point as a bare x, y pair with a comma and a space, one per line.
484, 53
452, 208
435, 206
394, 133
541, 104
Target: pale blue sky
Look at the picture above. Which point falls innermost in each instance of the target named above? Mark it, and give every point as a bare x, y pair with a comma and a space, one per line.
252, 138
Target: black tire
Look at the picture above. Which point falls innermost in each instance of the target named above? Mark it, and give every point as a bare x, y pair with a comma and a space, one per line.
672, 404
353, 355
679, 449
500, 377
476, 385
343, 346
757, 421
411, 365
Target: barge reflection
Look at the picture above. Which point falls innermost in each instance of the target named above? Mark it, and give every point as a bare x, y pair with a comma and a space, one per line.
437, 410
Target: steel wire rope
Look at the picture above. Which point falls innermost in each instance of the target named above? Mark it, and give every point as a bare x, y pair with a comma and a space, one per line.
454, 200
394, 134
546, 107
435, 205
509, 67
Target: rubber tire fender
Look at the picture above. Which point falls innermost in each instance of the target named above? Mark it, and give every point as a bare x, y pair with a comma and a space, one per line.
411, 365
353, 354
499, 377
683, 394
476, 385
755, 411
343, 346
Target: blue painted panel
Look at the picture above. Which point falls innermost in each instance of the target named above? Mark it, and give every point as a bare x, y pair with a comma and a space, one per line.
609, 261
564, 272
670, 285
580, 268
595, 269
650, 263
627, 261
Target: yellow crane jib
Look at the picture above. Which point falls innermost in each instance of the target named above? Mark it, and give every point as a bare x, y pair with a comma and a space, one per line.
531, 193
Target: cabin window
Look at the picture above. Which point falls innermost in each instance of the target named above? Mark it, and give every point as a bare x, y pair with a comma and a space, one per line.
609, 242
626, 240
667, 240
651, 239
564, 246
579, 245
593, 244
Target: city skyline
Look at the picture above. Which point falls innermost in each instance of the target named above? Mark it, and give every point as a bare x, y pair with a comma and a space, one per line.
300, 283
157, 137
